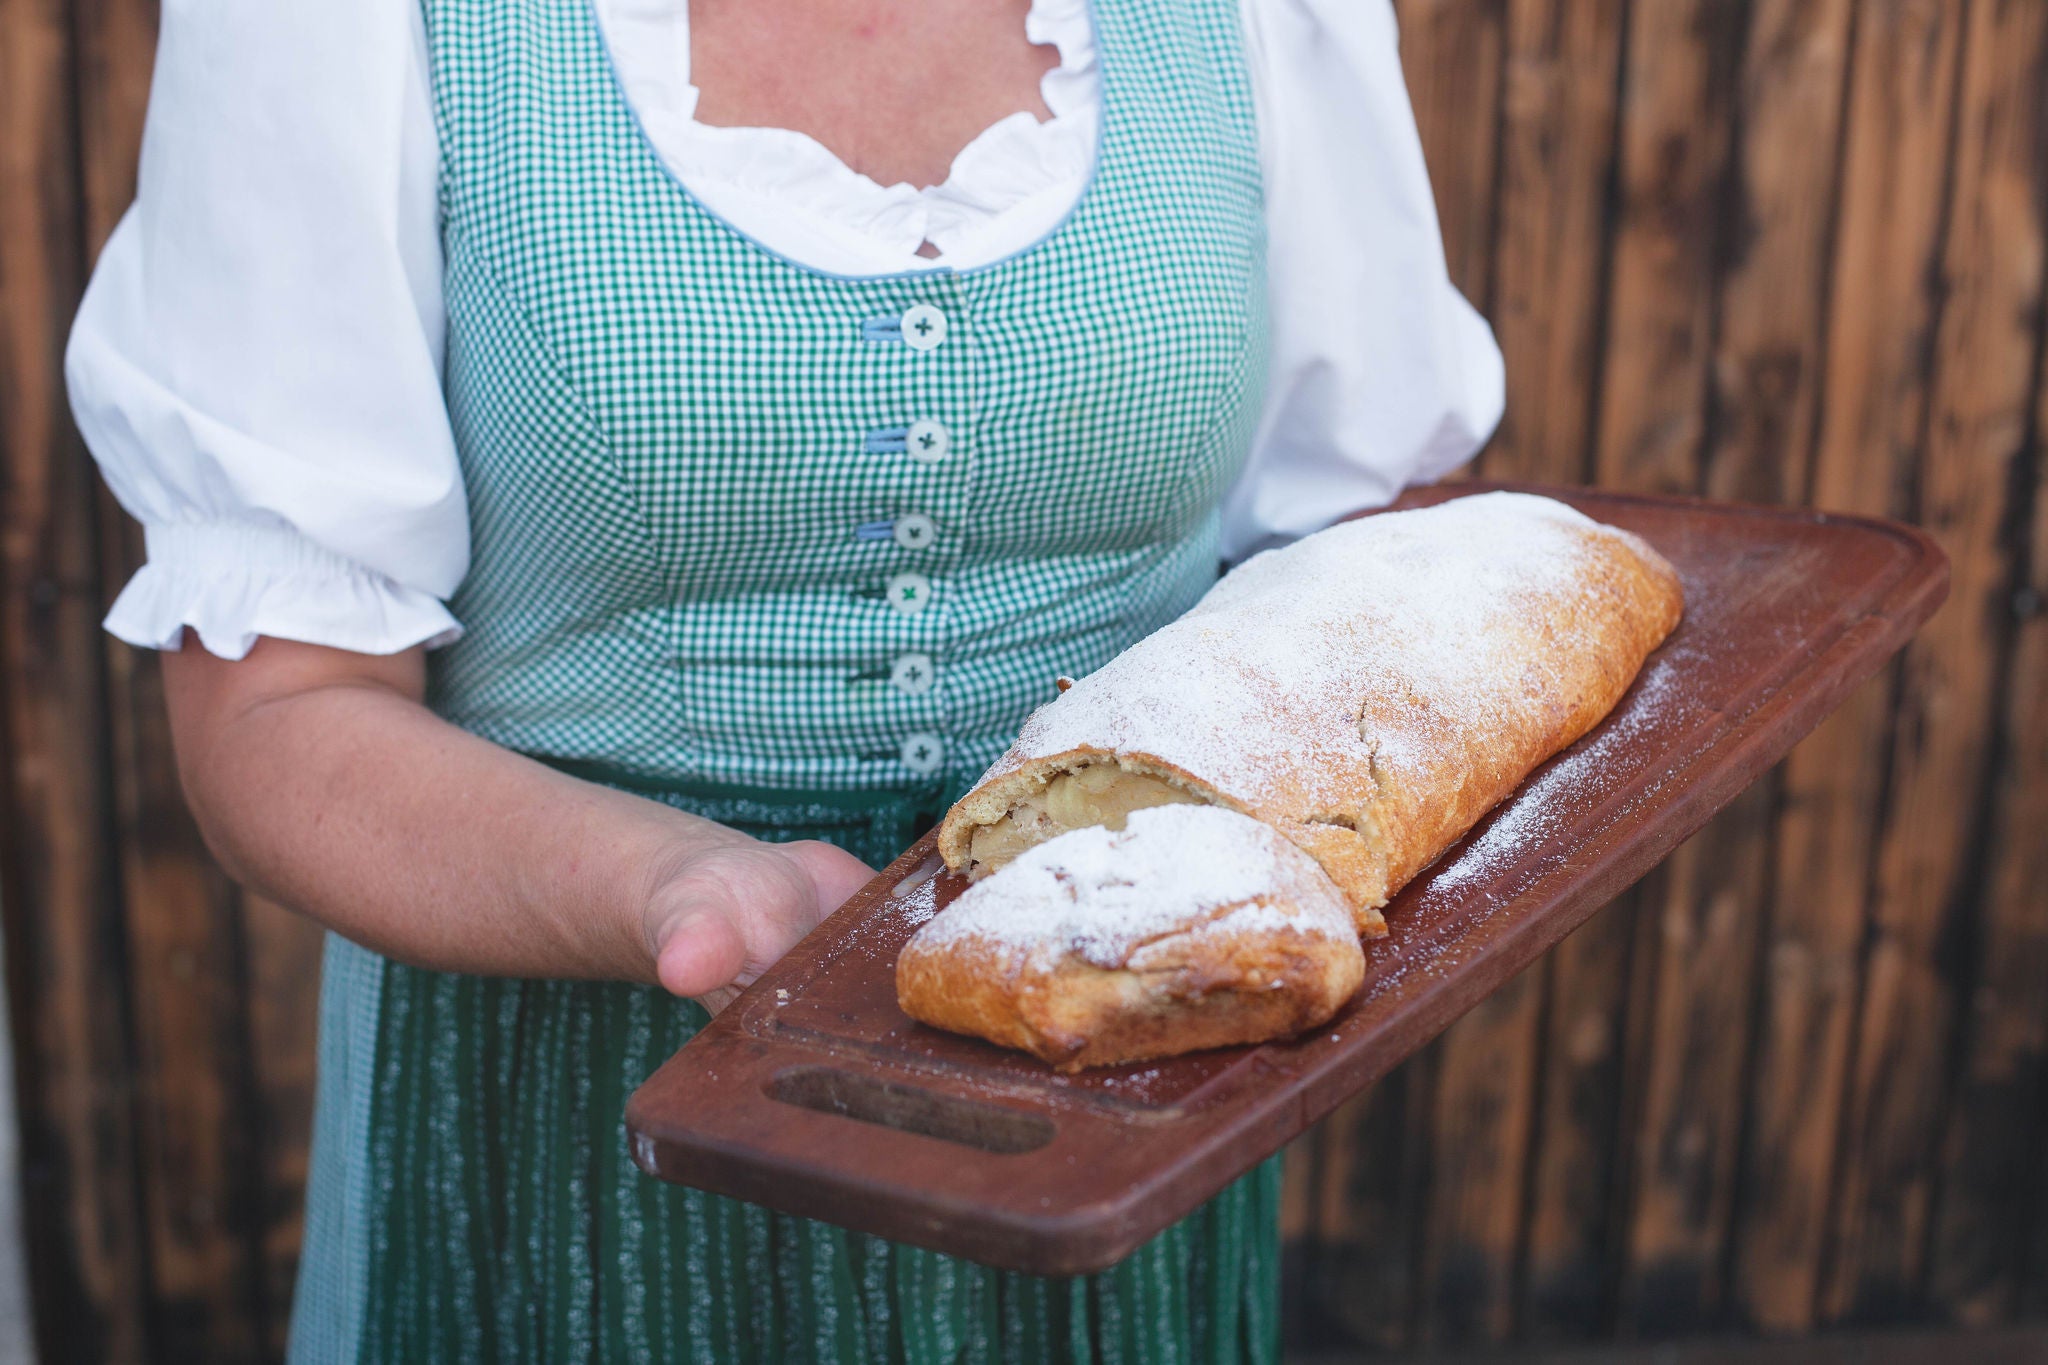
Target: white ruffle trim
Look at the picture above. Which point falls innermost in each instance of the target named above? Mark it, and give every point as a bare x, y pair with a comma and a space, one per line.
1006, 189
231, 581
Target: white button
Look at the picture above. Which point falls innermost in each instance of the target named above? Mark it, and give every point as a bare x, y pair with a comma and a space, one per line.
912, 673
913, 530
924, 753
929, 442
924, 327
910, 593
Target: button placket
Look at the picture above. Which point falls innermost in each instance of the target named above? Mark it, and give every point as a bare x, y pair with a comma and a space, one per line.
926, 330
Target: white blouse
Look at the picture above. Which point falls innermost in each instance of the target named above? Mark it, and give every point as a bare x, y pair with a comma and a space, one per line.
257, 362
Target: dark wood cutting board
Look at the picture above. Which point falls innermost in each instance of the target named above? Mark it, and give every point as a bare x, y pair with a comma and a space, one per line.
815, 1095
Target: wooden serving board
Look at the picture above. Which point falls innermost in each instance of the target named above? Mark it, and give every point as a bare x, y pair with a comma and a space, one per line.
813, 1094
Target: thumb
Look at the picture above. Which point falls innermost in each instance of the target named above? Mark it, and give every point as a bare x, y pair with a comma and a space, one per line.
835, 873
699, 951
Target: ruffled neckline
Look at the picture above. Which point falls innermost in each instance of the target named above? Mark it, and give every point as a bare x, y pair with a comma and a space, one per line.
1008, 187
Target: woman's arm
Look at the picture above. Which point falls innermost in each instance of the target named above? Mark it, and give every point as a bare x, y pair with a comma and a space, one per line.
257, 368
319, 779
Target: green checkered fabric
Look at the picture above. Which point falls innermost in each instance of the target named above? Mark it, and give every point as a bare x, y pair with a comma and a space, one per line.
706, 557
667, 429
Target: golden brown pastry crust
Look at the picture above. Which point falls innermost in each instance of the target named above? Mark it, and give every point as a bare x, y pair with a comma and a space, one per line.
1370, 691
1075, 1015
1045, 958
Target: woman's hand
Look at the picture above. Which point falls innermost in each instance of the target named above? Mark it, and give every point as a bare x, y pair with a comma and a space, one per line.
719, 916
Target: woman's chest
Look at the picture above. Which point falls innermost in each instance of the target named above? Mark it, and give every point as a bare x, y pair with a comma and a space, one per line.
612, 344
792, 435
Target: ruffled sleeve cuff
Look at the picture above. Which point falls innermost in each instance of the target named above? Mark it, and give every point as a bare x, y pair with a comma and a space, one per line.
232, 581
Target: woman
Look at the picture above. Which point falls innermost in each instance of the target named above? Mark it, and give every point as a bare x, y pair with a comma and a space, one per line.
627, 467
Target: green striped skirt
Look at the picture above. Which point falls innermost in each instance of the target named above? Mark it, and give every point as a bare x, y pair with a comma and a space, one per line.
472, 1198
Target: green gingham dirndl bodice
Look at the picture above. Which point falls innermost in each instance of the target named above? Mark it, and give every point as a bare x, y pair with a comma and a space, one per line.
798, 553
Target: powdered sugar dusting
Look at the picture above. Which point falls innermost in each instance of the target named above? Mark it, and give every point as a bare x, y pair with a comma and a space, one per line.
1537, 811
1102, 895
1260, 686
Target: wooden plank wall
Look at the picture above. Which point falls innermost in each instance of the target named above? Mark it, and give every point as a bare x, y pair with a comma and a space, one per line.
162, 1021
1778, 250
1781, 251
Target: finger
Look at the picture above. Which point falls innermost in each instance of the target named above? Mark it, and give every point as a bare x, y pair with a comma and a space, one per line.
700, 953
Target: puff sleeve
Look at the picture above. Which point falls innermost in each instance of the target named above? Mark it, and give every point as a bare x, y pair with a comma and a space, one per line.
256, 365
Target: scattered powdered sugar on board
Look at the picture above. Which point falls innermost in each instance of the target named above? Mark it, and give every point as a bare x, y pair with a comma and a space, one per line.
883, 932
1259, 686
1129, 1080
1101, 894
1534, 812
920, 903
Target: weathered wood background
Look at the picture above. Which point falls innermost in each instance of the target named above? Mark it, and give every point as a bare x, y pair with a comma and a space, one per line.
1778, 250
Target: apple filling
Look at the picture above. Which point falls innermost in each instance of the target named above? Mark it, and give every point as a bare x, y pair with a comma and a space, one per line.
1095, 794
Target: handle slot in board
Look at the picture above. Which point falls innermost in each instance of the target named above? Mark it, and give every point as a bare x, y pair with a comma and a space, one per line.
991, 1128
